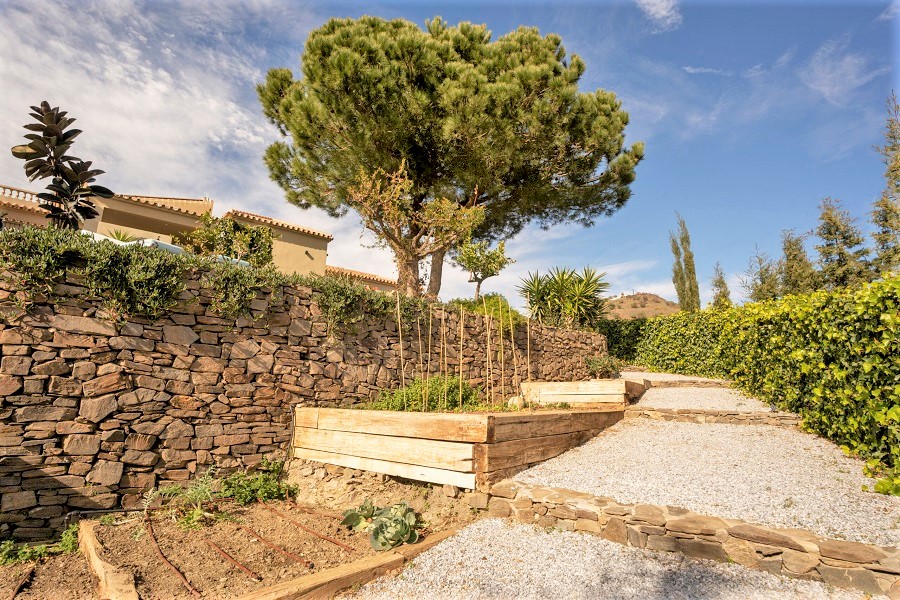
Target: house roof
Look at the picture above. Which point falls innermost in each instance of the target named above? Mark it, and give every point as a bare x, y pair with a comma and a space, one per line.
16, 198
330, 270
191, 206
248, 216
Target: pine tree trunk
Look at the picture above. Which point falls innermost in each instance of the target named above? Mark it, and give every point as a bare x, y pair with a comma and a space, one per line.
408, 275
477, 290
437, 272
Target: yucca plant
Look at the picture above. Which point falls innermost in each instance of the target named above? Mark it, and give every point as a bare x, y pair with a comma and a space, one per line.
564, 297
121, 236
67, 199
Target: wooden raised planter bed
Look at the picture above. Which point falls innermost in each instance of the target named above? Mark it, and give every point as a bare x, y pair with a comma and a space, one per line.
470, 451
593, 392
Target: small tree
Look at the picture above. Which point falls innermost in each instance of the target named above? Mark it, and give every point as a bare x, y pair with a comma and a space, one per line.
481, 262
760, 282
796, 273
67, 199
721, 293
842, 257
886, 210
684, 273
227, 237
410, 227
565, 297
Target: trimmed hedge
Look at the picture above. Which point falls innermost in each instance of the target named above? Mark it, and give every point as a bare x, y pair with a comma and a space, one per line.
622, 336
832, 357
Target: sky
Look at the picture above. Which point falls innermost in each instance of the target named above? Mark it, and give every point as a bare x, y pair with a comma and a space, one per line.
751, 113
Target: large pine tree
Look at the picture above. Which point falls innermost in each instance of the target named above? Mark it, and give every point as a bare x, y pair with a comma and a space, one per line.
886, 210
760, 281
842, 256
796, 272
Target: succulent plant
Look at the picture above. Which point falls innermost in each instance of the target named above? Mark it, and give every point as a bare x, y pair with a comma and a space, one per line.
360, 518
388, 527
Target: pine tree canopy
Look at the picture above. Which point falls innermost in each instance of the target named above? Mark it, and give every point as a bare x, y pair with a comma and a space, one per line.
501, 121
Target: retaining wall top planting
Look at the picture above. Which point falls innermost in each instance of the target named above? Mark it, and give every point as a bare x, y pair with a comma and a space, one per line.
94, 411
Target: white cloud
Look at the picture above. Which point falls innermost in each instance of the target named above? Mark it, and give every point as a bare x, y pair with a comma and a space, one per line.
706, 71
836, 74
663, 13
891, 12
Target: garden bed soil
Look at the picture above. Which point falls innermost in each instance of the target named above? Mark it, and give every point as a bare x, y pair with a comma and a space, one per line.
57, 577
208, 571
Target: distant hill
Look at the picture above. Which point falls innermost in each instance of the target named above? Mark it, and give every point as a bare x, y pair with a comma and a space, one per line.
636, 306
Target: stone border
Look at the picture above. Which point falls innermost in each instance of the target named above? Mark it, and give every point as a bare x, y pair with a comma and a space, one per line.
693, 415
327, 583
113, 583
791, 552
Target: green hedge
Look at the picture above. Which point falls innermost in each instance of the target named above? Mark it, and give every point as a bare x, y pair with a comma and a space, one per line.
832, 357
622, 336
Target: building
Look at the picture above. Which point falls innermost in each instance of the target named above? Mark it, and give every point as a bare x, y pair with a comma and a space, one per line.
296, 249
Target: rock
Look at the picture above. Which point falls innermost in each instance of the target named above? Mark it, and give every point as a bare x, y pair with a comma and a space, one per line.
860, 579
799, 562
179, 334
106, 384
741, 552
106, 473
136, 457
44, 413
661, 542
95, 502
207, 364
11, 501
9, 385
61, 386
696, 525
15, 365
139, 441
81, 444
703, 549
262, 363
83, 325
615, 531
478, 500
244, 349
516, 402
764, 536
850, 551
53, 367
649, 514
451, 491
505, 489
97, 409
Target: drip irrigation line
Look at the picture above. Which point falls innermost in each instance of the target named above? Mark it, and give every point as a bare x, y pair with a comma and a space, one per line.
22, 582
290, 555
233, 561
308, 530
310, 511
165, 560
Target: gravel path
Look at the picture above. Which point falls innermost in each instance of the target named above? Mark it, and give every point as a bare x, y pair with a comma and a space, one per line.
665, 376
769, 475
495, 559
700, 398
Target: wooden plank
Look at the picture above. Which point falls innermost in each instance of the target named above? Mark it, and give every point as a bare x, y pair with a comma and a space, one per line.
503, 455
516, 426
306, 417
115, 583
455, 456
595, 386
580, 398
435, 426
415, 472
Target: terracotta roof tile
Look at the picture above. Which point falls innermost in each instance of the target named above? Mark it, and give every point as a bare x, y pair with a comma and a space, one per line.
248, 216
358, 274
190, 206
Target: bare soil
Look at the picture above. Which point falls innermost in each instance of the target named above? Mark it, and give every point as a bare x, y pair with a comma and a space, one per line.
640, 305
129, 546
58, 577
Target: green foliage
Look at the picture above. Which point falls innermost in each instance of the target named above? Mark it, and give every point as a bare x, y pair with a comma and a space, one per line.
604, 366
622, 336
234, 286
68, 541
495, 306
565, 297
12, 554
226, 236
438, 393
39, 258
501, 120
842, 257
886, 210
721, 293
832, 357
481, 262
760, 281
67, 199
796, 273
684, 273
189, 503
388, 527
121, 236
263, 485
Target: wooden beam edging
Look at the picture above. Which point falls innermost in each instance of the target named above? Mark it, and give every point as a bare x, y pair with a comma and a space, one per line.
692, 415
327, 583
791, 552
113, 583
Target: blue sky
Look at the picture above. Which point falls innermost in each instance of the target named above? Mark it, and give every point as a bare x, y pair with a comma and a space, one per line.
751, 113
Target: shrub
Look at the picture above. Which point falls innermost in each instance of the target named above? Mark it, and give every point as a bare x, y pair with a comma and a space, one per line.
437, 393
604, 366
227, 237
622, 336
263, 485
388, 527
829, 356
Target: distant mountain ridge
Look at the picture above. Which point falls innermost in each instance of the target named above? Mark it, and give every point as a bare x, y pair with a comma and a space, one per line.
639, 305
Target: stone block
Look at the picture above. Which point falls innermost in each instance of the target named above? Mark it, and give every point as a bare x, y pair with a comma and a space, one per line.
9, 385
180, 335
850, 551
11, 501
15, 365
44, 413
261, 363
244, 349
137, 457
761, 535
139, 441
97, 409
62, 386
94, 502
84, 325
799, 563
106, 384
703, 549
662, 542
615, 531
505, 489
106, 473
478, 500
82, 444
696, 525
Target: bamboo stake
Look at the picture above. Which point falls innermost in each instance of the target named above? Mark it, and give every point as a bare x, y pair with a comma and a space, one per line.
166, 562
462, 318
315, 512
421, 365
528, 347
278, 549
232, 560
512, 337
489, 378
445, 372
308, 530
430, 348
400, 335
502, 361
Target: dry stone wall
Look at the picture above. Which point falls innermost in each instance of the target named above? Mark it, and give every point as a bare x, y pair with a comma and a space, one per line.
96, 410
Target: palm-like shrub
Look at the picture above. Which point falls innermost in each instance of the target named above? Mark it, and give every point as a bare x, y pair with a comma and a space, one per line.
565, 297
67, 199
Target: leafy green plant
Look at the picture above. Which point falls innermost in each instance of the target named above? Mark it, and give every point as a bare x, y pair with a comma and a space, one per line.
564, 297
189, 503
480, 261
604, 366
10, 553
622, 336
494, 305
121, 236
68, 541
228, 237
263, 485
388, 527
437, 393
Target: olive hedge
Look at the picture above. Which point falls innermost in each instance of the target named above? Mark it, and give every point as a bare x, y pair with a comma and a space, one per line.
832, 357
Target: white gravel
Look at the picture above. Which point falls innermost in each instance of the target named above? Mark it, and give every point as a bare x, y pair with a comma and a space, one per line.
761, 474
495, 559
649, 375
700, 398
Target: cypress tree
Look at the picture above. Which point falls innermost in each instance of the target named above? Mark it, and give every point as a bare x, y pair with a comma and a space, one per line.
721, 293
886, 210
684, 273
842, 256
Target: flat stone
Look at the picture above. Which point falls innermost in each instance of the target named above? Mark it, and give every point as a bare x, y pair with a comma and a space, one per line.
140, 441
179, 334
647, 513
764, 536
11, 501
207, 364
106, 384
799, 562
261, 363
81, 444
98, 501
696, 525
244, 349
62, 386
615, 531
703, 549
85, 325
97, 409
498, 507
563, 512
860, 579
741, 552
136, 457
9, 385
505, 489
661, 542
44, 413
105, 472
478, 500
850, 551
15, 365
53, 367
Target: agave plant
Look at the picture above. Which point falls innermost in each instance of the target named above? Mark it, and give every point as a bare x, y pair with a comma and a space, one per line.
388, 527
565, 297
67, 199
